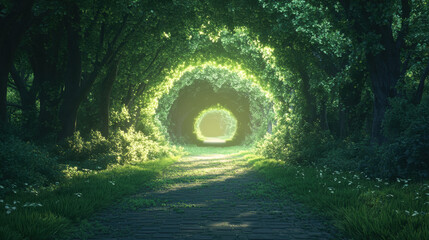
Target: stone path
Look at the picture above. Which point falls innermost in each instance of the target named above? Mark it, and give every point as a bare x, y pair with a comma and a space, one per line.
210, 197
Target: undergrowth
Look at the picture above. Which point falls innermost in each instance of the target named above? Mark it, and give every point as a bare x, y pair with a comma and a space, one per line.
362, 206
52, 211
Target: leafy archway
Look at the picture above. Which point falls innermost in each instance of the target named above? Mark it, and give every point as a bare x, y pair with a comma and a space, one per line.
207, 86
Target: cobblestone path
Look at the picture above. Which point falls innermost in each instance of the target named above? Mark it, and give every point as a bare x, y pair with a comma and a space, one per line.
210, 197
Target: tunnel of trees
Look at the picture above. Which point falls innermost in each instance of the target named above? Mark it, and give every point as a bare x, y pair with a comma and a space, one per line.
210, 86
338, 83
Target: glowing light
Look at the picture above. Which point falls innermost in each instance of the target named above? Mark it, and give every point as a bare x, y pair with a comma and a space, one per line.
215, 125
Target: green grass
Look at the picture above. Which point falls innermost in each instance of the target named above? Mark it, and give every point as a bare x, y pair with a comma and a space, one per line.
232, 150
363, 207
59, 208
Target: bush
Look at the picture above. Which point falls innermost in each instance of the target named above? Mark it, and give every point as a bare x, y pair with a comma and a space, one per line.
405, 153
121, 148
304, 144
24, 164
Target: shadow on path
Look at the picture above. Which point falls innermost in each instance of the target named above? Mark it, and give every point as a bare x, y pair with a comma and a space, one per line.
211, 197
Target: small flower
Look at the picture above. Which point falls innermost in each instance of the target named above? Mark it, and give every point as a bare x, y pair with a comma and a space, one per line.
415, 213
112, 182
407, 212
32, 205
405, 185
389, 195
1, 187
78, 194
1, 201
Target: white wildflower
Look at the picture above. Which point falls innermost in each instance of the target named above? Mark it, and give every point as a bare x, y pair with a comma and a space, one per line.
78, 194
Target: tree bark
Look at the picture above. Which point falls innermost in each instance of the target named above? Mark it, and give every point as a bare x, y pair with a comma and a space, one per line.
384, 70
106, 90
310, 108
27, 97
417, 98
12, 27
72, 91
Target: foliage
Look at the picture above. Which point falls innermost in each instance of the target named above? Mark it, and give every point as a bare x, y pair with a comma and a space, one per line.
25, 165
123, 147
219, 77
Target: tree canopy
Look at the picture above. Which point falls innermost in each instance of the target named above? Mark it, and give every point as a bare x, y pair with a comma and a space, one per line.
332, 70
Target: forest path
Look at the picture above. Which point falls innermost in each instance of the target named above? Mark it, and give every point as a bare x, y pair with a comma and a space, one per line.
210, 197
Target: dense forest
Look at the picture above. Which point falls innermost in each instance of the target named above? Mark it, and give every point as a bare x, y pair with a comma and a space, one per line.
86, 85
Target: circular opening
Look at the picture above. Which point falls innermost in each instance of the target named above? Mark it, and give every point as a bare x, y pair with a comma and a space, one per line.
215, 125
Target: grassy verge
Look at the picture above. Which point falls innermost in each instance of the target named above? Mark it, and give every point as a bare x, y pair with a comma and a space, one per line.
53, 211
362, 207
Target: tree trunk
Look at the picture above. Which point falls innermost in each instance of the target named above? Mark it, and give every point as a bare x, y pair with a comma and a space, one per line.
27, 97
270, 122
384, 70
417, 98
72, 91
106, 90
310, 108
12, 27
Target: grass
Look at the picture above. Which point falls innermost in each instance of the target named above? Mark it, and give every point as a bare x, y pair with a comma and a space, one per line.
364, 208
52, 212
210, 150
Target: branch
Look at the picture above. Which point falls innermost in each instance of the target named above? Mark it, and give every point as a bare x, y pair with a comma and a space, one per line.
19, 81
405, 15
14, 105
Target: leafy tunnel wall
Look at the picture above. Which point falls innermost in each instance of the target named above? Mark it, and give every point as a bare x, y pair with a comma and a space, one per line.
208, 86
201, 95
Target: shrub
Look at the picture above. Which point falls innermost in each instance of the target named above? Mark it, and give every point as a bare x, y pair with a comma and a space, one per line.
24, 164
303, 144
122, 147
